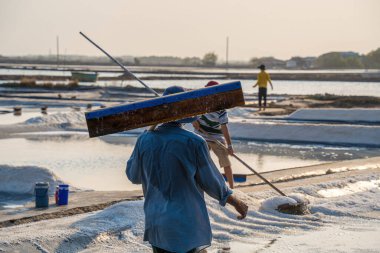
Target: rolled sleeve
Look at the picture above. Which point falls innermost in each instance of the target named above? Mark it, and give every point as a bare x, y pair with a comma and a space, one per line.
208, 176
223, 201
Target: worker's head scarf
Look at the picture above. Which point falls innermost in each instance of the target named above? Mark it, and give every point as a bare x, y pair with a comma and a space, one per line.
177, 89
211, 83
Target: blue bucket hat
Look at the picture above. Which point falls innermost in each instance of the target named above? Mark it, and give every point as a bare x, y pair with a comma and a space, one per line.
178, 89
172, 90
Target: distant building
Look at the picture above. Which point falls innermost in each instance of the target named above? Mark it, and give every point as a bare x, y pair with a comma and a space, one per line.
291, 64
269, 62
309, 62
300, 62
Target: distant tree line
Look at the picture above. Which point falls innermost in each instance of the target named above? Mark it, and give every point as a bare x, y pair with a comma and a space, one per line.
349, 60
331, 60
209, 59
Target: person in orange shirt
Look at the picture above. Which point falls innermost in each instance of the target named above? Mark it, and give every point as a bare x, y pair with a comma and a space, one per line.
262, 81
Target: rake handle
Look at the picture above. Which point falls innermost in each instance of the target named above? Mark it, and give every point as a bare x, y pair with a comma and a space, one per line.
244, 163
260, 176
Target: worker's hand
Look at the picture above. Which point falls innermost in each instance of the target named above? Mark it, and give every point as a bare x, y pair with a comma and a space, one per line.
196, 125
230, 150
242, 208
239, 205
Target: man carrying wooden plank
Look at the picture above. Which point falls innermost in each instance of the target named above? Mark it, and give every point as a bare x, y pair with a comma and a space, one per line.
215, 124
174, 167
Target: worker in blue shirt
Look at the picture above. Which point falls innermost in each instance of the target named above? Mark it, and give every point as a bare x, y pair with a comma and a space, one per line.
175, 169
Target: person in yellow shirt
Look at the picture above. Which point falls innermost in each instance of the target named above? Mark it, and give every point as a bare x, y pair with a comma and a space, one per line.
262, 81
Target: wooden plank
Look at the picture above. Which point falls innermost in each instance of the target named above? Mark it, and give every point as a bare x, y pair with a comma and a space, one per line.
164, 109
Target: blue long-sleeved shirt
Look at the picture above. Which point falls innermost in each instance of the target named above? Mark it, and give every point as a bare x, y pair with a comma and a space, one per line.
175, 168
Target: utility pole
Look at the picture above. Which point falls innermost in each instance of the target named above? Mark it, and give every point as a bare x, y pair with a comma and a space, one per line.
227, 45
57, 52
64, 57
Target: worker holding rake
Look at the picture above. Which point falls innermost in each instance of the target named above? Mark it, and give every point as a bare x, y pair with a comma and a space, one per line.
214, 125
175, 169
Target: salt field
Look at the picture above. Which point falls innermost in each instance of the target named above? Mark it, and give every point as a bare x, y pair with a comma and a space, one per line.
99, 163
280, 151
298, 151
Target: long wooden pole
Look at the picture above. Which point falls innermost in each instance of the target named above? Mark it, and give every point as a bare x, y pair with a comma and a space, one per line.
121, 65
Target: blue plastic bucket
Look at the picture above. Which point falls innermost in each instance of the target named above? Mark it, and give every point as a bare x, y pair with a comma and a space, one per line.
63, 194
238, 178
41, 192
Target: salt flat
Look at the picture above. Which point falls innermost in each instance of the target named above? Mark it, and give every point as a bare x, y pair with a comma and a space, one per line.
119, 228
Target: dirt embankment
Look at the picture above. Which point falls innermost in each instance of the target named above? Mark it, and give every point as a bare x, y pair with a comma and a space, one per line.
328, 100
291, 103
187, 75
79, 202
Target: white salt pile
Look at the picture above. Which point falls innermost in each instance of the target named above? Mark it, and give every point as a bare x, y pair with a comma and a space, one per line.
61, 119
272, 203
22, 179
300, 198
128, 214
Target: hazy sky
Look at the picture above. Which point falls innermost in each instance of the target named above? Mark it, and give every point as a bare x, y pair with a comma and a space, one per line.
280, 28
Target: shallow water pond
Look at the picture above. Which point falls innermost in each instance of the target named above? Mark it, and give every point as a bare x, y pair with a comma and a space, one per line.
99, 163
